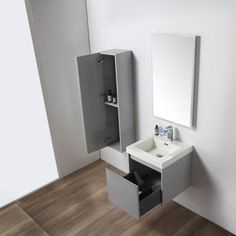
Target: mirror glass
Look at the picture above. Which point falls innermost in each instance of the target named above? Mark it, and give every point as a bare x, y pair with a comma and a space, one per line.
173, 64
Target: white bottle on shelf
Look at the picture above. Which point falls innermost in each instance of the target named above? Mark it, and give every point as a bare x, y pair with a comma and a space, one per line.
109, 96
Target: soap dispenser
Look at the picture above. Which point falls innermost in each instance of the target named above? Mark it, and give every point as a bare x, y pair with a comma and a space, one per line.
156, 130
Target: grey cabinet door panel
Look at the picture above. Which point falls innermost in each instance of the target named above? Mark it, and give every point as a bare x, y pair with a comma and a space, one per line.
125, 194
92, 102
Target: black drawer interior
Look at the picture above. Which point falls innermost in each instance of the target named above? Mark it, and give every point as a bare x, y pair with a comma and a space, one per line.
147, 183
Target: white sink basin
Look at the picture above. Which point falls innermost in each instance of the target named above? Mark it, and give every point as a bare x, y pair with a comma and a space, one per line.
156, 147
158, 153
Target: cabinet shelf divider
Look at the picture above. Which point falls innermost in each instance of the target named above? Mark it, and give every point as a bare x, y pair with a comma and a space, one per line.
112, 104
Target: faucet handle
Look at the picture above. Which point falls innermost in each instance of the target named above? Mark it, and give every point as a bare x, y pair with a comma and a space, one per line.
169, 131
167, 128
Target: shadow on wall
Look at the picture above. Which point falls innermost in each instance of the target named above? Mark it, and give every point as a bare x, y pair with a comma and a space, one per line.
206, 190
201, 178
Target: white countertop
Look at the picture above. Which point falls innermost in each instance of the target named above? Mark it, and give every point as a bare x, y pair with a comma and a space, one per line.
174, 150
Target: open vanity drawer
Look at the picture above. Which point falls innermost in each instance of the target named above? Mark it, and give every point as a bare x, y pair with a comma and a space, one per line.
137, 192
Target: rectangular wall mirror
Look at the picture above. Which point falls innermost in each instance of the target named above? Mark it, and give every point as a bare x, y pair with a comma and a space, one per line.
173, 64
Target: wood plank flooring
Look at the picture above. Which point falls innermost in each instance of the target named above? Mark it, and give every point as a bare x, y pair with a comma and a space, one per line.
78, 205
14, 221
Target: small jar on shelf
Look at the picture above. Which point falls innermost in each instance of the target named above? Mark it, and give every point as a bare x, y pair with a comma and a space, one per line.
109, 96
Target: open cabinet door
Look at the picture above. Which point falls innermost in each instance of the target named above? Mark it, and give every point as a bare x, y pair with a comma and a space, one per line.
92, 101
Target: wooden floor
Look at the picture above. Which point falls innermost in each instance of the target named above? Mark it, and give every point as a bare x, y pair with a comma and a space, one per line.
78, 205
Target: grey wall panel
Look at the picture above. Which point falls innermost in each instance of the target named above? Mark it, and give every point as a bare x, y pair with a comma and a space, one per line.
60, 34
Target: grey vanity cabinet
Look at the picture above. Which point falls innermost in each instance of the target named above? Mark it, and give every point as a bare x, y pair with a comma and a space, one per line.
107, 123
144, 188
126, 194
137, 192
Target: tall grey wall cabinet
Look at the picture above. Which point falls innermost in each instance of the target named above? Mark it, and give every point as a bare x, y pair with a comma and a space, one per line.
107, 124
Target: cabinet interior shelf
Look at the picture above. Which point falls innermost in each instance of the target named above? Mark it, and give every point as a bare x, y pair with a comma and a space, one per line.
112, 104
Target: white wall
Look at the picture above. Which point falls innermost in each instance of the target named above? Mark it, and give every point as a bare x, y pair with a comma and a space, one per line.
60, 34
128, 24
26, 155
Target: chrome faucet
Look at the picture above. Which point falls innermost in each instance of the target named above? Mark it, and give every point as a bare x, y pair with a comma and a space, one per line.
169, 132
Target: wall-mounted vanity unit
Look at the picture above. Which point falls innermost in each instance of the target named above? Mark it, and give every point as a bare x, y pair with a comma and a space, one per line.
159, 171
107, 124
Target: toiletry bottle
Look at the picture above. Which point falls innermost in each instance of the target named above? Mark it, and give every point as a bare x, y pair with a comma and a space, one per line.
114, 100
156, 130
109, 96
161, 131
